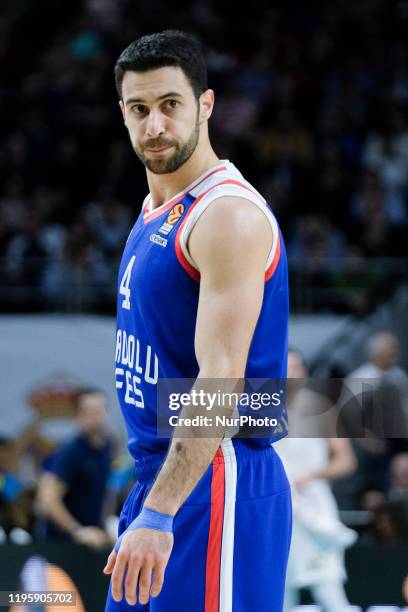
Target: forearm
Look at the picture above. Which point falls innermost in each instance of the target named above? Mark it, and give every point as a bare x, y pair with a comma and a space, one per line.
189, 456
54, 509
336, 468
186, 462
342, 460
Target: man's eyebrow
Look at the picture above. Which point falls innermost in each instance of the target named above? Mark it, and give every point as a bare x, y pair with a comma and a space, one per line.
170, 94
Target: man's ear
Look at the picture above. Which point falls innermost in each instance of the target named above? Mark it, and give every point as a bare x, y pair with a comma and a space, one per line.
206, 102
122, 108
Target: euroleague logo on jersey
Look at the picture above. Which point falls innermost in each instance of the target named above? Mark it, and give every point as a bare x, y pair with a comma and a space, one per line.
172, 218
175, 214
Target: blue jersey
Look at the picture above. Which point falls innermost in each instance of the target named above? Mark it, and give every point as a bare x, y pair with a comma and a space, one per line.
158, 291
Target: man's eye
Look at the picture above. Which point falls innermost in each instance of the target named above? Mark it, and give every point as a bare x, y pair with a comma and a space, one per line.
172, 103
139, 109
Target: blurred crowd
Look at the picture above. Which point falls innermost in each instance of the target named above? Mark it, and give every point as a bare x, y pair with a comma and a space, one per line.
311, 105
73, 486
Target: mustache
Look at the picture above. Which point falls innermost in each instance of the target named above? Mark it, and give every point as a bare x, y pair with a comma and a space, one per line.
157, 143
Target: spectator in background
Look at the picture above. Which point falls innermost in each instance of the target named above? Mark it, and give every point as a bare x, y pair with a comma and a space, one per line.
373, 196
383, 356
389, 381
72, 490
110, 222
317, 245
373, 412
25, 254
386, 152
379, 216
388, 511
399, 476
15, 500
397, 499
319, 538
371, 498
79, 274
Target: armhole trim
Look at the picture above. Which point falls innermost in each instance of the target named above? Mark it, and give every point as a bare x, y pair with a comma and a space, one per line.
228, 187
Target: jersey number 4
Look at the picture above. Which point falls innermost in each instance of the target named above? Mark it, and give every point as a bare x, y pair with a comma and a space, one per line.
125, 282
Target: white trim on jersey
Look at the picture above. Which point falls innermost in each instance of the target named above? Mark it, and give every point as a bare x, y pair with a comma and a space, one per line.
149, 211
229, 172
228, 530
246, 192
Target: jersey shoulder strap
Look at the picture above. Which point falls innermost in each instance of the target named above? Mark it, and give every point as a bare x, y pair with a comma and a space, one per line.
229, 182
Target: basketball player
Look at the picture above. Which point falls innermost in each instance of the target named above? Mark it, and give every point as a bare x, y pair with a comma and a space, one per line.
203, 295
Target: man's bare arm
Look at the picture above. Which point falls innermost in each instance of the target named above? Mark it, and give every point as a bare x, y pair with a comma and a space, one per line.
51, 491
230, 246
50, 504
342, 462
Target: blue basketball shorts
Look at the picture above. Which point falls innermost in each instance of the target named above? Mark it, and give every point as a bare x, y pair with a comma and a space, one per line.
231, 536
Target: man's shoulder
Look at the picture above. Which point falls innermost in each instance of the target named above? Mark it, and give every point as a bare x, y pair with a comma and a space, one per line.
366, 370
225, 179
398, 373
232, 219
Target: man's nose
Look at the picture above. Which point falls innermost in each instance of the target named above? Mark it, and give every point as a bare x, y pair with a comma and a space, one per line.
155, 124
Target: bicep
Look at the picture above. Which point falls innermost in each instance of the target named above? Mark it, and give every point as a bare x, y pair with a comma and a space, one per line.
51, 488
230, 247
341, 449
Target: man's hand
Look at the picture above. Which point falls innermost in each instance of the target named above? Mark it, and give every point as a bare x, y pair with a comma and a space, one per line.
143, 557
91, 536
305, 479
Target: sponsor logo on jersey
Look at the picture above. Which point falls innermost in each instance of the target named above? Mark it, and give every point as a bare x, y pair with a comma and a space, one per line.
136, 364
158, 240
172, 218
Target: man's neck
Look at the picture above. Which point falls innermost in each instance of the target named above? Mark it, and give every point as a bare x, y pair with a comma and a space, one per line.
165, 186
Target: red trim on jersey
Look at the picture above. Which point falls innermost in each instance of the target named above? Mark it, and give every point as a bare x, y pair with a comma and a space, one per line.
274, 263
153, 214
195, 274
191, 271
147, 205
213, 562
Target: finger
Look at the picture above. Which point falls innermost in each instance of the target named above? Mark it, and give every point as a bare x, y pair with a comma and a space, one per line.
117, 576
110, 564
157, 579
145, 580
132, 577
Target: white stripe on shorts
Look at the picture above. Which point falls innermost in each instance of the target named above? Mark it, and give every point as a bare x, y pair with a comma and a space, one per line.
227, 549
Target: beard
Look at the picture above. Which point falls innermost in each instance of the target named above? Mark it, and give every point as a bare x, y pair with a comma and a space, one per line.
166, 165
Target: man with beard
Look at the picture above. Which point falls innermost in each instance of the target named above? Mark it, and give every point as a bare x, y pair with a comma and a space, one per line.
202, 295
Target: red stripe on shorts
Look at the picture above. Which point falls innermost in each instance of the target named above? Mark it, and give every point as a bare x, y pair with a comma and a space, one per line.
213, 566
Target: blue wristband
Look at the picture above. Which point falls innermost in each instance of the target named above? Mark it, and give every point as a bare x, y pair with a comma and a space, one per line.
148, 519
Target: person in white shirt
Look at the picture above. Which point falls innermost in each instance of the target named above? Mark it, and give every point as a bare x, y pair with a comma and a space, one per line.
383, 356
319, 537
374, 399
